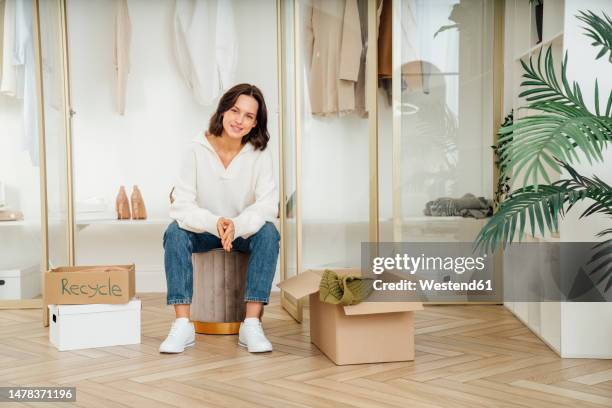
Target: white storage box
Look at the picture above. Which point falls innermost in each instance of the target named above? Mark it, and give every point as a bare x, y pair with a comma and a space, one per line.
20, 283
73, 327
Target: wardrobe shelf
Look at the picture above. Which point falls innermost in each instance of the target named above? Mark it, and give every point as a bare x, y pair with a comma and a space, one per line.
82, 224
555, 38
149, 221
20, 223
404, 219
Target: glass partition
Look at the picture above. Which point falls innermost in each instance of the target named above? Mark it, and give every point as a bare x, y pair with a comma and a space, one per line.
438, 153
436, 120
334, 140
57, 164
21, 233
289, 157
446, 114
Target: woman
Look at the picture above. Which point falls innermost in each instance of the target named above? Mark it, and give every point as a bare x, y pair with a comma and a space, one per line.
225, 197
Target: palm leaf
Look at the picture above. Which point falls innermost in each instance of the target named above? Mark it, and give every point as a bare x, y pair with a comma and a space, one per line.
601, 261
544, 85
562, 129
539, 139
599, 30
607, 231
594, 189
543, 205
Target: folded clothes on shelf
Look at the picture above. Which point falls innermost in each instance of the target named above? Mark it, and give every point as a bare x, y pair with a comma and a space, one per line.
468, 206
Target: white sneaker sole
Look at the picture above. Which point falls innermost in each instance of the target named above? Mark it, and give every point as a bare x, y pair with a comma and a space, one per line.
177, 352
253, 351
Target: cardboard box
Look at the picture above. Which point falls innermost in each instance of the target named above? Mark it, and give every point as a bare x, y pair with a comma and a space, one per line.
368, 332
74, 327
79, 285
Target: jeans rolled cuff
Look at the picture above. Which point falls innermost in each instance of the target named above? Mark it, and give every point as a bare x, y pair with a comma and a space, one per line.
179, 301
256, 299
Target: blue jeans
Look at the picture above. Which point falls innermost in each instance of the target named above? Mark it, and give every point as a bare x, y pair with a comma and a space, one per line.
180, 244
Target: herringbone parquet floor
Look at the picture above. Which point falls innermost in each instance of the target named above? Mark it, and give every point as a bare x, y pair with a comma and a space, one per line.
467, 356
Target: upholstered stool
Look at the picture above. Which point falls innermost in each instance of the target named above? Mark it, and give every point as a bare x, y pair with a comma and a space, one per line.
219, 278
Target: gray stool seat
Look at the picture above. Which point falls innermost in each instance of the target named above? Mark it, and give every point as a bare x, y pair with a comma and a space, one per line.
219, 279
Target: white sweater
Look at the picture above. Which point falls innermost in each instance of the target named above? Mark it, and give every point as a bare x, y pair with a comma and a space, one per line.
245, 192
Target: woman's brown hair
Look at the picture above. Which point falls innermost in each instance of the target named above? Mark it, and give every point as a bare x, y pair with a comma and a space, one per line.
258, 136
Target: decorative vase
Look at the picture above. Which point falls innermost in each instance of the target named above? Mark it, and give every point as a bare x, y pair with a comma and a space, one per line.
139, 212
122, 205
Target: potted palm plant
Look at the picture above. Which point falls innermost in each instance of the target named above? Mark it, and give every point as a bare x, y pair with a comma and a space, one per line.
562, 131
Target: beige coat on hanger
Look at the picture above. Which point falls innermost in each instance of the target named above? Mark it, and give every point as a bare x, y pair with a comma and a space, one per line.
333, 52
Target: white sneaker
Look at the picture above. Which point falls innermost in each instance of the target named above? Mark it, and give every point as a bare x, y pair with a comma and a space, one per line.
252, 337
182, 334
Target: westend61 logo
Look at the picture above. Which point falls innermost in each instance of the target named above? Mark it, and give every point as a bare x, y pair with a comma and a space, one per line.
414, 264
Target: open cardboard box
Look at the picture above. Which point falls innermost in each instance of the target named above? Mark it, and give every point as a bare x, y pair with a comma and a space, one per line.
109, 284
368, 332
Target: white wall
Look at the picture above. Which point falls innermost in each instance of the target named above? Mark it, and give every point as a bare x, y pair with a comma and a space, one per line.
572, 329
586, 328
583, 68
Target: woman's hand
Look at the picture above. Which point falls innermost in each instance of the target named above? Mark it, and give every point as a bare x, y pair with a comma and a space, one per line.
226, 232
221, 226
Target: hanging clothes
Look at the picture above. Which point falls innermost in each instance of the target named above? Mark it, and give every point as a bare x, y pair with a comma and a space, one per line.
8, 86
18, 70
121, 56
410, 51
206, 47
51, 55
360, 86
385, 40
333, 51
385, 48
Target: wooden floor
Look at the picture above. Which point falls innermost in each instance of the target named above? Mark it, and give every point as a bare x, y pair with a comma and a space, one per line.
467, 356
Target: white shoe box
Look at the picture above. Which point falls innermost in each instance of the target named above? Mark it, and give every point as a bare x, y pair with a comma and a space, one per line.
73, 327
20, 283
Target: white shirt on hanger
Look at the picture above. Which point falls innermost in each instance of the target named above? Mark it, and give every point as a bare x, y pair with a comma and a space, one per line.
245, 192
206, 47
8, 85
18, 68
